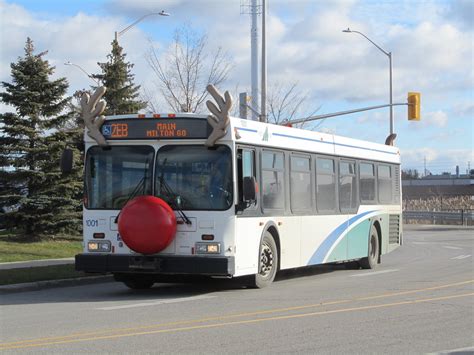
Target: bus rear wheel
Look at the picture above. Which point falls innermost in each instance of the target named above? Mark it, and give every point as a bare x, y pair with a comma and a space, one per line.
136, 282
267, 262
374, 250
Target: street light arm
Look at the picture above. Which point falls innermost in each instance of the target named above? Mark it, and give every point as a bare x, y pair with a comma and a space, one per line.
368, 39
162, 13
389, 55
82, 69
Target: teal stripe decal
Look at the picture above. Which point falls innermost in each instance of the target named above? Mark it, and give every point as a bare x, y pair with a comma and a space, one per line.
320, 254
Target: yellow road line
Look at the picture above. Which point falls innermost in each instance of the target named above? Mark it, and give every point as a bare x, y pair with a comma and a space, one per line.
239, 315
207, 326
414, 291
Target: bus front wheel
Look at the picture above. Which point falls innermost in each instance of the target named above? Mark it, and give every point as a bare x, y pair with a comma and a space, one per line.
267, 262
374, 250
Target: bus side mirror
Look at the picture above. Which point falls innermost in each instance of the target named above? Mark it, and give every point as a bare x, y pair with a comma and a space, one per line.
66, 161
248, 189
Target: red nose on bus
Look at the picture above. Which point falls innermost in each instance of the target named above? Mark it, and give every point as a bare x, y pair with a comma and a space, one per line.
147, 224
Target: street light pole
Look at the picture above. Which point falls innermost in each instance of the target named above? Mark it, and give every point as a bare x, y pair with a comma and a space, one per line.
82, 69
389, 55
119, 33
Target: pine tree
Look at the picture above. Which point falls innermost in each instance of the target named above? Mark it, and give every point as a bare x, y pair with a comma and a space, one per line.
38, 199
122, 95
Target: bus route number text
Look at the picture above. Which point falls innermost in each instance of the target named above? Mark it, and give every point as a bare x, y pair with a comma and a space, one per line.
119, 130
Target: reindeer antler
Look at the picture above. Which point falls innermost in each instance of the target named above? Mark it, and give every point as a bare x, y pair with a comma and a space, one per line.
92, 108
219, 117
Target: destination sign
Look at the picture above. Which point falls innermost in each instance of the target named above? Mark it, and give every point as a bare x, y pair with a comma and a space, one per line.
156, 128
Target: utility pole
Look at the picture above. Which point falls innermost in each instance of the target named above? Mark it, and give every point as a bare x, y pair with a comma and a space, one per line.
254, 57
253, 8
263, 105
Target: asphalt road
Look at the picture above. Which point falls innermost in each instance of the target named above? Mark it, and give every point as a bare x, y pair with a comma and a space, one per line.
419, 300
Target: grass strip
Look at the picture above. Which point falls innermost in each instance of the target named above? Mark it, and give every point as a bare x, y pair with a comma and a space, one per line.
49, 249
42, 273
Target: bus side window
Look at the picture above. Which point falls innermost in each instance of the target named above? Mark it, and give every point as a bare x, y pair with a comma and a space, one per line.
245, 168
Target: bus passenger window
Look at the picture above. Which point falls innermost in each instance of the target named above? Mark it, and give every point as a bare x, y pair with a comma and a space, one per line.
347, 187
384, 175
325, 185
367, 182
272, 180
300, 184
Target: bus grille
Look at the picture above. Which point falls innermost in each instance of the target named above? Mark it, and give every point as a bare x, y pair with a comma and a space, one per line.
394, 229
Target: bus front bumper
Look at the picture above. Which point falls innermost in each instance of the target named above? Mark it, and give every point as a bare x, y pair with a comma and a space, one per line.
156, 264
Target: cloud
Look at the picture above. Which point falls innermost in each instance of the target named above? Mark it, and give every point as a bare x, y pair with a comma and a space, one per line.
432, 50
82, 39
462, 12
375, 117
464, 109
438, 119
305, 43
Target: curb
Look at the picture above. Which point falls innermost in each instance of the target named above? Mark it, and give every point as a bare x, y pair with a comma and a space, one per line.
40, 285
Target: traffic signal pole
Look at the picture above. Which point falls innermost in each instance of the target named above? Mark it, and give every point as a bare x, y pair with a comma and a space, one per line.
341, 113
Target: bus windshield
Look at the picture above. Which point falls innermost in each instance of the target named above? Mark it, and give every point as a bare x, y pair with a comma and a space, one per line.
113, 174
194, 177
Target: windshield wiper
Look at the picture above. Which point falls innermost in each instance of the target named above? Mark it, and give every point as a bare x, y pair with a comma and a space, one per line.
132, 195
141, 183
170, 193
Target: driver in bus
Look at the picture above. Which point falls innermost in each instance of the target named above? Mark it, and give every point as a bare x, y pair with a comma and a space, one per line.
220, 185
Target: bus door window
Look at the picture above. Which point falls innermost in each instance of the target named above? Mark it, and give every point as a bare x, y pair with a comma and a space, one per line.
220, 183
245, 168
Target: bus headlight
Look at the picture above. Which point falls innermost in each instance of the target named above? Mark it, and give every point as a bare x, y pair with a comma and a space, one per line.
102, 246
208, 248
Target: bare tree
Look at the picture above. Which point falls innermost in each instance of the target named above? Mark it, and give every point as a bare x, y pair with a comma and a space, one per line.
184, 71
286, 103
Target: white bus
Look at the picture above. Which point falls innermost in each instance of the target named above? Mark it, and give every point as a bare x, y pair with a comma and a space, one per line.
264, 198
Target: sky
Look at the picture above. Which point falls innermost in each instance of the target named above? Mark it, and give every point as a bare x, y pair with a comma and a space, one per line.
431, 42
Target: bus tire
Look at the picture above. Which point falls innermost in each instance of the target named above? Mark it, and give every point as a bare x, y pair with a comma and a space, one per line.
267, 262
374, 250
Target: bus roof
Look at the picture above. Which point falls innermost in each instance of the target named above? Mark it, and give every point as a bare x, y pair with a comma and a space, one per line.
242, 131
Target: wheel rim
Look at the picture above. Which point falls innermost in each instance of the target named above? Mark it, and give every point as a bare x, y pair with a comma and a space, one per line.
266, 260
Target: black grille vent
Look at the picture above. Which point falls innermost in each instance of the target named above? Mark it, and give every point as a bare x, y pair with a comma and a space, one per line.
394, 229
397, 184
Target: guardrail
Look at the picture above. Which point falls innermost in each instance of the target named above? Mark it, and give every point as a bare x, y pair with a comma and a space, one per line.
459, 217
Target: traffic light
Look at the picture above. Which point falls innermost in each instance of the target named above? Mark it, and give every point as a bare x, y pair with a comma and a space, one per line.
414, 103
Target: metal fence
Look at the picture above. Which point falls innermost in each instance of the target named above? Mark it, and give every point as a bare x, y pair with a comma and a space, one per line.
459, 217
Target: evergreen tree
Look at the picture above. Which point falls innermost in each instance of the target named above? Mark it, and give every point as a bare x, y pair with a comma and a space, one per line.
38, 199
122, 94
